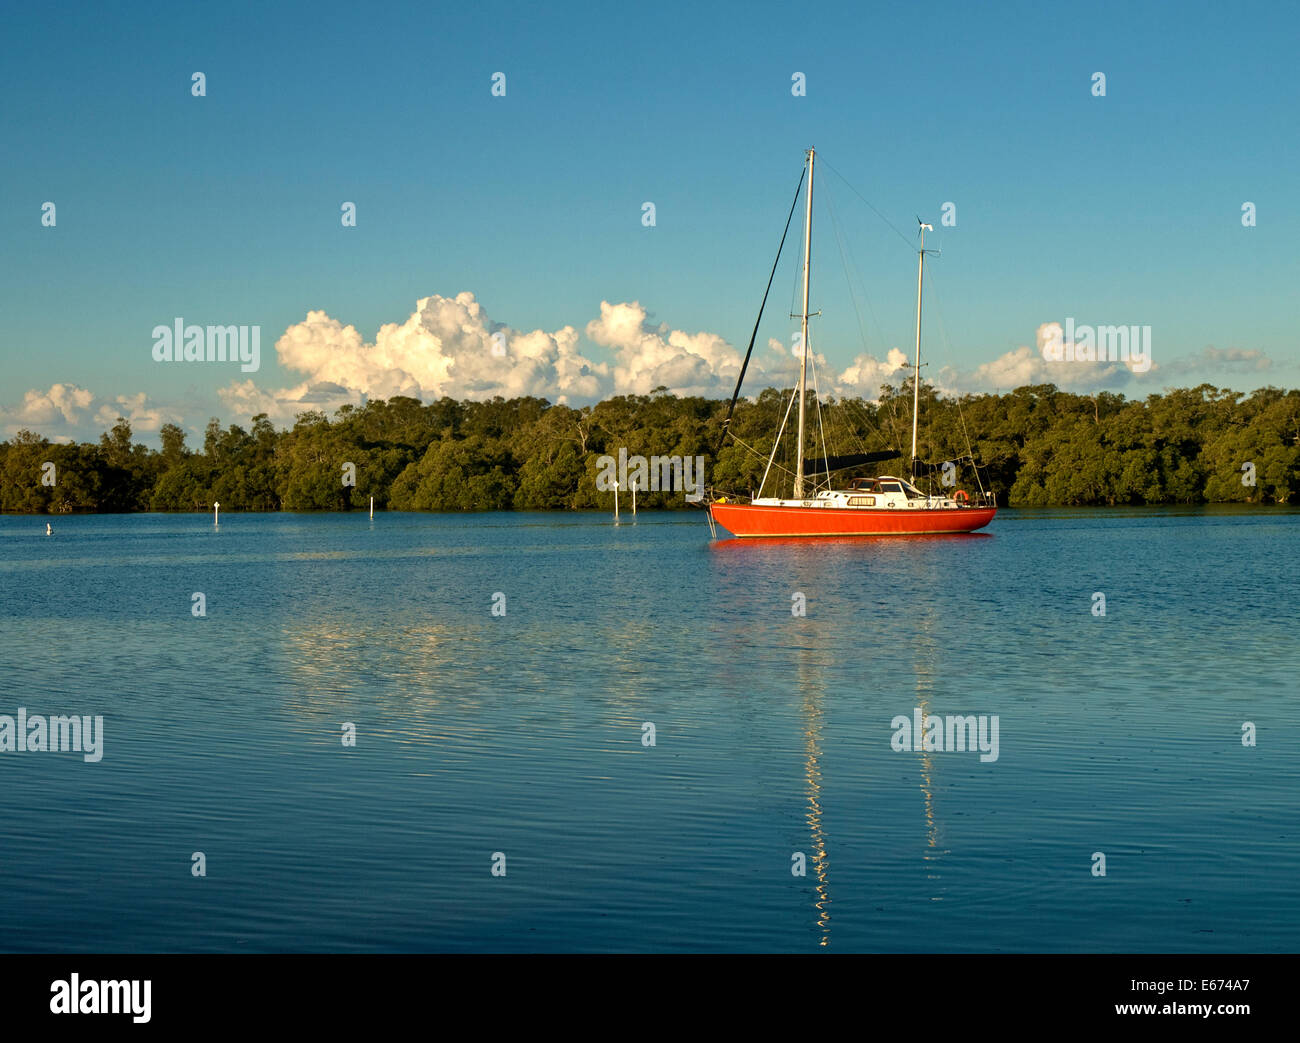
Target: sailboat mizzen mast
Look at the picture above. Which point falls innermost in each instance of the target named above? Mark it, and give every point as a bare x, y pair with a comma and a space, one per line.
803, 345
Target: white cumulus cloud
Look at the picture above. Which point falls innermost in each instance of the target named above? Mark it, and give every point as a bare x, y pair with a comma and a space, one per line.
447, 347
68, 412
138, 411
867, 374
244, 399
648, 356
61, 403
450, 347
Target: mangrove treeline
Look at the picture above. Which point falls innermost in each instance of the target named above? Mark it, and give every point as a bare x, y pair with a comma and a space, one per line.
1037, 446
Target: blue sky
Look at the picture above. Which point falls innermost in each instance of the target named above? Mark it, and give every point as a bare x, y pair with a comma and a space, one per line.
1122, 209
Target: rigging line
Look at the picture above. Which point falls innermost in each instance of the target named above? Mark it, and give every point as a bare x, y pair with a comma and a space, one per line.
943, 332
938, 314
969, 451
871, 427
846, 418
836, 414
872, 418
892, 417
726, 423
866, 296
817, 397
937, 306
777, 444
796, 278
856, 418
834, 421
938, 310
754, 451
835, 227
851, 272
850, 269
882, 217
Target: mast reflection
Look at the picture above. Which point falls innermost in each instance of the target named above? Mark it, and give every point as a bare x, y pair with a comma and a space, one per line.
813, 778
926, 664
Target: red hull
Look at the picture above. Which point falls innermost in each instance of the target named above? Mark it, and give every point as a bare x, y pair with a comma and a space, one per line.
747, 519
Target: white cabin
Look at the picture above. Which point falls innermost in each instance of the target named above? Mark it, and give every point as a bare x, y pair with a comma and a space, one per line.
883, 493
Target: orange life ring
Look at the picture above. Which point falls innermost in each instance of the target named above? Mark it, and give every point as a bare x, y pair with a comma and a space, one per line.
961, 496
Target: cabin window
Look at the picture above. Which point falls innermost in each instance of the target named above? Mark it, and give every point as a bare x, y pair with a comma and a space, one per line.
891, 487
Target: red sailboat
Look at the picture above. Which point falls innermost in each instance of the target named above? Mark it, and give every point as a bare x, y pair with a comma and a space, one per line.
881, 506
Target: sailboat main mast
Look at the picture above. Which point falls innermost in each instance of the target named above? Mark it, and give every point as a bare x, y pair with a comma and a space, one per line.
803, 335
885, 505
916, 372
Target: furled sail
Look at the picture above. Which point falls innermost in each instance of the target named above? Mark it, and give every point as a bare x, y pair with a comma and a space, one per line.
825, 465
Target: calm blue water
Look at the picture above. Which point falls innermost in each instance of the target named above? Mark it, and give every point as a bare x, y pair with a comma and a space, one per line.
522, 734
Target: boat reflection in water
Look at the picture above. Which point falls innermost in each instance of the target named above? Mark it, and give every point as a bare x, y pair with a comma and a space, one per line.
747, 545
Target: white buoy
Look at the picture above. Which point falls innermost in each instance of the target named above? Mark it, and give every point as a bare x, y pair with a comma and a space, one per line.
616, 503
216, 508
372, 508
634, 499
48, 530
